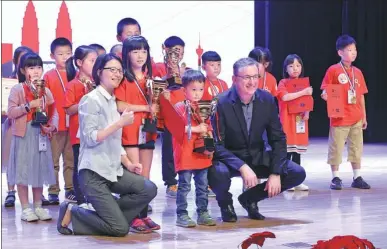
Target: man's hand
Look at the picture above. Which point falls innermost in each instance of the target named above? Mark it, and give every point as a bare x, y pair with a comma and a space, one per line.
249, 178
273, 185
135, 168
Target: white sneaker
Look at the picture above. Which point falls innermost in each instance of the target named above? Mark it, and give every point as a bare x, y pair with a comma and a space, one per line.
29, 215
42, 214
301, 187
291, 189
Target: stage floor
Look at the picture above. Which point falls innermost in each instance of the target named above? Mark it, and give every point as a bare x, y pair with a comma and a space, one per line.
300, 217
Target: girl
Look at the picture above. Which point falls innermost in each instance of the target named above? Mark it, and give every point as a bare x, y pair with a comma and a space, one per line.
103, 164
30, 160
132, 95
296, 142
267, 82
10, 199
79, 85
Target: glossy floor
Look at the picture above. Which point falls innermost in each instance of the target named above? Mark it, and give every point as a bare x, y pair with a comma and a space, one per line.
294, 217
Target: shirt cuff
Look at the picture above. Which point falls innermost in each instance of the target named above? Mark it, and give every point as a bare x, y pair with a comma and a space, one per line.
94, 136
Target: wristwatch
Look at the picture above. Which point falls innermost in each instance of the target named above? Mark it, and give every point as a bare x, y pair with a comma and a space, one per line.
27, 107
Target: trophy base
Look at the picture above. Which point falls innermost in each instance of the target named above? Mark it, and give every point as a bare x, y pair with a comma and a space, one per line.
39, 118
150, 125
204, 144
174, 83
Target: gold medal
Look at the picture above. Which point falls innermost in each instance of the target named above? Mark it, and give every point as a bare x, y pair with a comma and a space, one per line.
353, 100
298, 118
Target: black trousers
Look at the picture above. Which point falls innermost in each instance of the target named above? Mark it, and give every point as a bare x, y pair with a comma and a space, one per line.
167, 161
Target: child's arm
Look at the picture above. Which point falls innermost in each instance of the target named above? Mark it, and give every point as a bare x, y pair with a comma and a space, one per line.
202, 128
306, 115
296, 95
362, 103
72, 110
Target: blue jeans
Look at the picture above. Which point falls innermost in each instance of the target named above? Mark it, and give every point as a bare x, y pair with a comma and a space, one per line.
184, 187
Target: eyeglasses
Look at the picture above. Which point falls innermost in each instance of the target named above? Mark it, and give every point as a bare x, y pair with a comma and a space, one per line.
248, 77
114, 70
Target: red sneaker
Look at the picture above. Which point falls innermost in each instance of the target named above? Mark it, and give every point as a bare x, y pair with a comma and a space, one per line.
151, 224
138, 226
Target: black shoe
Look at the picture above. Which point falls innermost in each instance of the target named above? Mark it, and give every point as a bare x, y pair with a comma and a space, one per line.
53, 199
360, 183
10, 199
228, 213
252, 209
150, 209
336, 184
45, 202
62, 211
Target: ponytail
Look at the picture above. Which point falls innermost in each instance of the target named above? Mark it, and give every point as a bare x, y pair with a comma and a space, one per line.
70, 69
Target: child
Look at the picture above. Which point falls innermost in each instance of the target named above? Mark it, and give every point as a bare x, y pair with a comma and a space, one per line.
132, 95
127, 27
117, 50
79, 85
187, 162
297, 141
348, 128
99, 48
267, 82
30, 162
56, 81
10, 199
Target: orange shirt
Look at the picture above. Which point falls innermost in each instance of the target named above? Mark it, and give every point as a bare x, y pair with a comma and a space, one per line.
296, 142
75, 90
131, 94
53, 82
268, 83
353, 113
159, 69
185, 158
212, 89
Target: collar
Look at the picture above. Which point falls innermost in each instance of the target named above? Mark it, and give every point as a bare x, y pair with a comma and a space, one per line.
105, 93
235, 96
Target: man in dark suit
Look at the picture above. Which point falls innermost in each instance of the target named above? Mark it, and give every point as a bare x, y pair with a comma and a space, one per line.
243, 113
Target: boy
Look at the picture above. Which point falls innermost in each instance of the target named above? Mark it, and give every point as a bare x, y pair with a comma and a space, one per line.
56, 81
212, 65
117, 50
127, 27
188, 162
349, 128
99, 48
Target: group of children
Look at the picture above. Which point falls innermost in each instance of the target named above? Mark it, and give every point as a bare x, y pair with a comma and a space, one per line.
35, 151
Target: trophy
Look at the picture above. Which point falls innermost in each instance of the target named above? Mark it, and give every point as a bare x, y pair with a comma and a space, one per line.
171, 60
40, 115
203, 113
89, 85
153, 89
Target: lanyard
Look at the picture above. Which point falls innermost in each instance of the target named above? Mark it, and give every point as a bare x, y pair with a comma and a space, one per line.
351, 82
142, 92
213, 87
61, 81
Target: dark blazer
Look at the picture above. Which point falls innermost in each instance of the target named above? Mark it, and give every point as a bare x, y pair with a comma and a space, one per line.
235, 146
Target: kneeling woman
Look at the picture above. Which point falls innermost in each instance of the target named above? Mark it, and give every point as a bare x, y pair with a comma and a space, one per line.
104, 167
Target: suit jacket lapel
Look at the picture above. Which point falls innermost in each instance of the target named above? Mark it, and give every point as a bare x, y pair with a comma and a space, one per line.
237, 107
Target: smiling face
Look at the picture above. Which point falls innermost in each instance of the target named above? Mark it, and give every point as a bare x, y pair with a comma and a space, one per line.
138, 58
246, 81
111, 75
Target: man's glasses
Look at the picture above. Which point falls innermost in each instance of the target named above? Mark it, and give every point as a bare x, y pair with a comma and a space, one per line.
248, 77
114, 70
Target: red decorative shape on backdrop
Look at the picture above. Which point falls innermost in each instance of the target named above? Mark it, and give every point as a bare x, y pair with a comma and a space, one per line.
30, 30
63, 27
199, 52
6, 52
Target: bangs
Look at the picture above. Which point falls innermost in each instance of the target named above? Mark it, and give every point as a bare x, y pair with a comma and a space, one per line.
291, 59
31, 60
135, 43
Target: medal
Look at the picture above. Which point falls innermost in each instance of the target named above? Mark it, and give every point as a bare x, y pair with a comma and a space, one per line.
298, 118
353, 100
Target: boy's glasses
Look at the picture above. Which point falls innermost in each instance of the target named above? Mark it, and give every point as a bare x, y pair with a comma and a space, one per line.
114, 70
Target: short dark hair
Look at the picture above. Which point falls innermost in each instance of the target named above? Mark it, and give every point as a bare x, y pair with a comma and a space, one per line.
343, 41
16, 55
29, 59
126, 21
112, 50
100, 64
172, 41
290, 60
60, 42
210, 56
261, 55
97, 46
192, 75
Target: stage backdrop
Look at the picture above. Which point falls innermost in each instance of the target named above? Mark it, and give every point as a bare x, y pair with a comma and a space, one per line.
224, 26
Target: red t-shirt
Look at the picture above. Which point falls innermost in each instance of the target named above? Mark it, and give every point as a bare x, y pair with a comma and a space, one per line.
75, 90
353, 113
54, 83
184, 157
268, 83
213, 88
131, 94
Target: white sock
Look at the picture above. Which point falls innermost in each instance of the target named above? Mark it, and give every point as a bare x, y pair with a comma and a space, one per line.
356, 173
335, 174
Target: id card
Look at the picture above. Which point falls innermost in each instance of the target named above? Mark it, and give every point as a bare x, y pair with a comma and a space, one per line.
141, 135
42, 143
351, 97
300, 125
67, 120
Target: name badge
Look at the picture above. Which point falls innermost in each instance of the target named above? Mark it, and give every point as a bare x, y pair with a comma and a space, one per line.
300, 125
67, 121
42, 143
141, 135
351, 97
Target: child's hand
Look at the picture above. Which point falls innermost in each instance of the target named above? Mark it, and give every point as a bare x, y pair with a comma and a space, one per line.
306, 116
365, 124
202, 128
167, 95
308, 91
36, 103
155, 109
